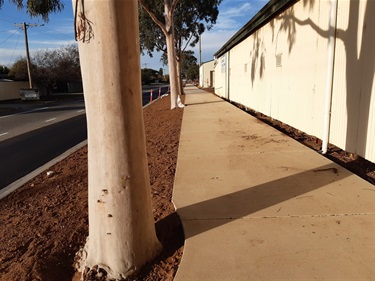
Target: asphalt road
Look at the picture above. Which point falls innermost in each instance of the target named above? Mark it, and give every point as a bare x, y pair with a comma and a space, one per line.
146, 92
39, 133
34, 116
26, 152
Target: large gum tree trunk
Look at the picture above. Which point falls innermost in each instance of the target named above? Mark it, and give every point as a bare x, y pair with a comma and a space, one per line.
173, 77
171, 53
168, 30
121, 226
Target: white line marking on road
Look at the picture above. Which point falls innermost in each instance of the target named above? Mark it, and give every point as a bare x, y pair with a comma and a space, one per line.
37, 109
49, 120
3, 134
24, 112
79, 111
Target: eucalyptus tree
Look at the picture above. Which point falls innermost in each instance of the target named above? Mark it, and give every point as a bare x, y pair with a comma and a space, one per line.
188, 63
18, 71
162, 14
4, 69
37, 8
189, 66
181, 22
122, 234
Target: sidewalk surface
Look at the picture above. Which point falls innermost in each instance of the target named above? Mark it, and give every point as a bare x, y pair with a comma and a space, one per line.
257, 205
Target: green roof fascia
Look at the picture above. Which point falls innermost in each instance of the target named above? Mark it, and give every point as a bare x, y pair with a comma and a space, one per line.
269, 11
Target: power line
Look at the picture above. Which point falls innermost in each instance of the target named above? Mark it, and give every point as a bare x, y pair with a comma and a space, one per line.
58, 36
53, 33
10, 36
14, 50
24, 26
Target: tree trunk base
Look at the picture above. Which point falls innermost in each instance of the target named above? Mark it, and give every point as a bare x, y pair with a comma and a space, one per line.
101, 272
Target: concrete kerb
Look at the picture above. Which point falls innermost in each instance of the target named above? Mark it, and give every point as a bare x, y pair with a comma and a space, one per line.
162, 96
20, 182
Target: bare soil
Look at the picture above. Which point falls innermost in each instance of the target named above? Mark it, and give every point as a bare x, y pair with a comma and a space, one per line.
351, 161
44, 223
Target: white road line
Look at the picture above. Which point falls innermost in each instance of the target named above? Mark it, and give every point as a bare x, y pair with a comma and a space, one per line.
49, 120
82, 110
24, 112
3, 134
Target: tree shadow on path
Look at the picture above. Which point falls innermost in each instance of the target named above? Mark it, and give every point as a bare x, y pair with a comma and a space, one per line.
247, 202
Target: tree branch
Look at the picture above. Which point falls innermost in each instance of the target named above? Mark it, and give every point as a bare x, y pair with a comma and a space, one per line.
191, 36
187, 42
153, 16
174, 4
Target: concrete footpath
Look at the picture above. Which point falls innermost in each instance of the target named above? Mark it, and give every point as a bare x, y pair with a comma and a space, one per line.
257, 205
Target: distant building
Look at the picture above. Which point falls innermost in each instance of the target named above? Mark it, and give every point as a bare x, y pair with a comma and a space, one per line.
10, 90
206, 74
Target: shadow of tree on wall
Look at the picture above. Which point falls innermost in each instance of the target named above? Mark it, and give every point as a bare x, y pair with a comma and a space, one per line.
360, 58
288, 23
258, 51
257, 54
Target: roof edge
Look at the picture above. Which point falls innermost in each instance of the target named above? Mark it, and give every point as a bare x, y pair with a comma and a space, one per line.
269, 11
207, 61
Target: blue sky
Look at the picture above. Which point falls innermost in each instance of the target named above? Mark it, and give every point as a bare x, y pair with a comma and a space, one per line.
59, 31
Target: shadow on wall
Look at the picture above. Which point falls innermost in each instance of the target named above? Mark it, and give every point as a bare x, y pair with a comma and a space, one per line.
258, 51
360, 62
360, 58
288, 22
257, 54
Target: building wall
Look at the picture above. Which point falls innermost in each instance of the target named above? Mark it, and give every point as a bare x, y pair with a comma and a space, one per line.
353, 100
206, 79
221, 78
281, 71
11, 90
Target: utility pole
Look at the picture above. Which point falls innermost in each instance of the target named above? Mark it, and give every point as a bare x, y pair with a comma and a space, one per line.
24, 27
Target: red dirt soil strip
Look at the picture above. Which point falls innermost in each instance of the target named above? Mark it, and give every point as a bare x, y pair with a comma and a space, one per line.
350, 161
44, 223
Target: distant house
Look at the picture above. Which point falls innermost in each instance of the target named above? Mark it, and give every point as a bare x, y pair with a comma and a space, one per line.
309, 64
206, 74
10, 90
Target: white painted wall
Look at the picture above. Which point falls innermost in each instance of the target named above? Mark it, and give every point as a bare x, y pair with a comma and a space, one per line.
205, 78
353, 100
11, 90
281, 71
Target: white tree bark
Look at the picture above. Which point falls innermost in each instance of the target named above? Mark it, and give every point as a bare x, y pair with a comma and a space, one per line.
122, 234
168, 30
172, 67
171, 54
